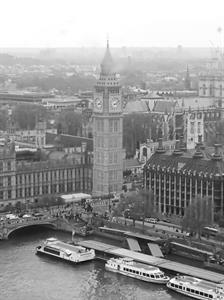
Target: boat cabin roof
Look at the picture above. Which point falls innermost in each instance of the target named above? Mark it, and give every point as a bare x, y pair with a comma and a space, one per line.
67, 247
51, 239
203, 284
131, 262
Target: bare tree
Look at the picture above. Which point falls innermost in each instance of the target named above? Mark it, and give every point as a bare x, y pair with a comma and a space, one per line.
198, 215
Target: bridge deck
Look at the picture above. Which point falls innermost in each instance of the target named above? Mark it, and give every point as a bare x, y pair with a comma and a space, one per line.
154, 261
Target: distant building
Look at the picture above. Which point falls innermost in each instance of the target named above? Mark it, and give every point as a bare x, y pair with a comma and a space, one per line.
192, 123
187, 81
23, 97
146, 150
211, 82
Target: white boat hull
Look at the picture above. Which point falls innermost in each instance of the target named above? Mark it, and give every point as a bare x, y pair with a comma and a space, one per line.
195, 290
80, 259
151, 280
191, 295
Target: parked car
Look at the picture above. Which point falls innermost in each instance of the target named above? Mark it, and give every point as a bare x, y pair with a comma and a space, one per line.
166, 220
151, 220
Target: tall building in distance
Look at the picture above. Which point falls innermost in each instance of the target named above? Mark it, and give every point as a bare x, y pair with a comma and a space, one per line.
187, 81
107, 130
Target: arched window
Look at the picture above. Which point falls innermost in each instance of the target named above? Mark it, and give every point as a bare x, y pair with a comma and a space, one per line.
211, 90
204, 90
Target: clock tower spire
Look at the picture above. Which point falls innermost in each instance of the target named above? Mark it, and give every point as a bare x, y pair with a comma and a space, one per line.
107, 130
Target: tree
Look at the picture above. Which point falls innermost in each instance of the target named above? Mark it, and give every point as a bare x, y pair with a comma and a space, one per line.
219, 218
215, 135
198, 215
71, 122
3, 119
138, 128
140, 204
26, 115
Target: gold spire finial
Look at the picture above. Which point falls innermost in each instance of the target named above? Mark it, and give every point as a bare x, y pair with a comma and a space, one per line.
107, 41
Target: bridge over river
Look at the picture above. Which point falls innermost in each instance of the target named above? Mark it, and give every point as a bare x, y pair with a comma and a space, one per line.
47, 221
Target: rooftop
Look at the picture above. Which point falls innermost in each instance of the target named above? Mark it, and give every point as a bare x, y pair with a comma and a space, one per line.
186, 162
70, 140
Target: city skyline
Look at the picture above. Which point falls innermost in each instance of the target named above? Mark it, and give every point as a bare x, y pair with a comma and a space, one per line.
128, 23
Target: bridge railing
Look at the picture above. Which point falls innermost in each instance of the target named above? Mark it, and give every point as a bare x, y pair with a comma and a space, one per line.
21, 222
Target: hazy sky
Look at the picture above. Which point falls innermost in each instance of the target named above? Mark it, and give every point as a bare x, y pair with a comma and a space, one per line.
62, 23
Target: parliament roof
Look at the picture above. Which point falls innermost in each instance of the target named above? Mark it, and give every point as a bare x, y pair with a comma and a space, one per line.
187, 162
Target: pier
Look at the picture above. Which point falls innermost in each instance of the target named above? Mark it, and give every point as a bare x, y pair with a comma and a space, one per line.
107, 250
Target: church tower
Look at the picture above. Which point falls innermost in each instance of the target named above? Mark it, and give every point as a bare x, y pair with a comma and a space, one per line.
187, 83
107, 130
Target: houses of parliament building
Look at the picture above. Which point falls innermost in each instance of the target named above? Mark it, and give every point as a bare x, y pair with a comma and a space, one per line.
28, 181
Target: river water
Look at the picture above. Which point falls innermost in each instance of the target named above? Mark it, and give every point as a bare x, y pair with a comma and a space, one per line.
26, 276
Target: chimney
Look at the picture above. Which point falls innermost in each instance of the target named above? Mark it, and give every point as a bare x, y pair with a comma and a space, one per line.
160, 148
177, 150
217, 155
182, 144
83, 146
200, 142
198, 153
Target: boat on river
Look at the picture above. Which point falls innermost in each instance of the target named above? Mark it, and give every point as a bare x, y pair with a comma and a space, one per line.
128, 267
196, 288
65, 251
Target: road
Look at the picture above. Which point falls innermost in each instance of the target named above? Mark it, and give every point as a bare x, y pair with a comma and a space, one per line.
169, 228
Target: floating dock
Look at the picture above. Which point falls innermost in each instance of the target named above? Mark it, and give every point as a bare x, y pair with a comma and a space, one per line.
165, 264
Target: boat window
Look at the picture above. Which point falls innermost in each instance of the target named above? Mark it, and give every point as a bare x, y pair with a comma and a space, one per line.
176, 286
137, 272
180, 287
188, 290
210, 296
197, 292
206, 295
152, 276
147, 275
143, 274
201, 294
51, 250
172, 284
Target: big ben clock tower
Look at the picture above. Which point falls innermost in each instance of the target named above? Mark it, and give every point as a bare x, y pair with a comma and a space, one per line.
107, 131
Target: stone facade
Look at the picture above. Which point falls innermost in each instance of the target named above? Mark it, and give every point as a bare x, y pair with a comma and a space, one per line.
107, 131
177, 177
26, 182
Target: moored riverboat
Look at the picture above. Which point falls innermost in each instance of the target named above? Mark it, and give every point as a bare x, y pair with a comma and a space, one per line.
196, 288
128, 267
65, 251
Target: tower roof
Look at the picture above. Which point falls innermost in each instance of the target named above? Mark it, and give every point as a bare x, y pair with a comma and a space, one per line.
107, 64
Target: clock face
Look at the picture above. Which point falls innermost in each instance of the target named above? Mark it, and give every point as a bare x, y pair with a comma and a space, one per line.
98, 103
115, 104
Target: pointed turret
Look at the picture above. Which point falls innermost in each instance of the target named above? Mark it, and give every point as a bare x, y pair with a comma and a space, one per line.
107, 65
187, 80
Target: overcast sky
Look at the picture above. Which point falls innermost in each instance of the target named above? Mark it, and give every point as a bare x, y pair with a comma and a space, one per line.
74, 23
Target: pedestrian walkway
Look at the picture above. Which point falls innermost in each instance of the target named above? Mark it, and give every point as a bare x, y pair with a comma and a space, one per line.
155, 250
133, 244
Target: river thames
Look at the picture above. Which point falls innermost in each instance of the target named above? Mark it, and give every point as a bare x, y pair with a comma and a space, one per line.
26, 276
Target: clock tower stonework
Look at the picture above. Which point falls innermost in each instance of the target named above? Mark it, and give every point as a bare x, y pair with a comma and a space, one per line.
107, 131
